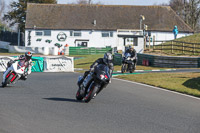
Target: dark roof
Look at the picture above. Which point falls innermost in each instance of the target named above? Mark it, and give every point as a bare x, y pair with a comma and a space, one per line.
108, 17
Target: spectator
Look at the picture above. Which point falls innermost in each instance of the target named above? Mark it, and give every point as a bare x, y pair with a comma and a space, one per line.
175, 31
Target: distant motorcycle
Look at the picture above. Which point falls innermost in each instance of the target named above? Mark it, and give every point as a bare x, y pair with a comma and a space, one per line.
128, 64
93, 83
15, 71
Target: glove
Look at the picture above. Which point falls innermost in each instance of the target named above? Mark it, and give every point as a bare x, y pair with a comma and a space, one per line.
25, 74
91, 69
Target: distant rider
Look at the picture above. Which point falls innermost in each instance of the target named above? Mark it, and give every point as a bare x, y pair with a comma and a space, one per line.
106, 60
133, 54
26, 60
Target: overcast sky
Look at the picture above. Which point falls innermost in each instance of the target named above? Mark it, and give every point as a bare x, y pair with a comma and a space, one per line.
114, 2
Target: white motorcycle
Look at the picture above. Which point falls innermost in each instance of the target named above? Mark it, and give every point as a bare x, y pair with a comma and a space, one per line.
14, 72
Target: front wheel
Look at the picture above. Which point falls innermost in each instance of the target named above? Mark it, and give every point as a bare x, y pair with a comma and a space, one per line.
132, 68
91, 93
79, 95
7, 81
123, 68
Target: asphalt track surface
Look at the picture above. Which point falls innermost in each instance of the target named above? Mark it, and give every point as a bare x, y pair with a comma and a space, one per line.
45, 103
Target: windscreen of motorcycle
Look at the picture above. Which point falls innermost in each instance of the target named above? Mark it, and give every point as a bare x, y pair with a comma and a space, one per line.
21, 63
127, 55
102, 69
19, 67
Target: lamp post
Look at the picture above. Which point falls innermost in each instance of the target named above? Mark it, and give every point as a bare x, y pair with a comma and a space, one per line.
141, 19
18, 34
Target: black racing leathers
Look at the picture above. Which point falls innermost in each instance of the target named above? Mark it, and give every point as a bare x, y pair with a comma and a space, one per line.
97, 62
100, 61
133, 55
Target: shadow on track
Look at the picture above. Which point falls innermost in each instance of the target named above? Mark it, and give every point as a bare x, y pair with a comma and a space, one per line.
193, 83
63, 99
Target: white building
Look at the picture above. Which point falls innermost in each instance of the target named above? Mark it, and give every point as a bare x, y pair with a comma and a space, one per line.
50, 25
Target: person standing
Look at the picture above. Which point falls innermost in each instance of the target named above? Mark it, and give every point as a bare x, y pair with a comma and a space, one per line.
175, 31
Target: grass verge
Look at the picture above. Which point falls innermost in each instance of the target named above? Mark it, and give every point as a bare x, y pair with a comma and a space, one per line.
187, 83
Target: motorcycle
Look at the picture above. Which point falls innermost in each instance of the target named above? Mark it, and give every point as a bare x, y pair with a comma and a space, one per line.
128, 64
93, 83
14, 72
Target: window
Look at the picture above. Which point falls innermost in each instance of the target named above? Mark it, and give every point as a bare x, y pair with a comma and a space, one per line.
107, 34
111, 34
43, 33
131, 41
47, 32
71, 33
75, 33
135, 41
38, 33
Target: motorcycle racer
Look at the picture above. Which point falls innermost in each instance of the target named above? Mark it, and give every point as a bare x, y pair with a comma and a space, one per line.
107, 60
133, 54
23, 59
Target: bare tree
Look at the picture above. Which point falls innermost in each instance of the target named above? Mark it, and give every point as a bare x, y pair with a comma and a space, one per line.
178, 7
2, 7
188, 10
87, 2
82, 2
194, 13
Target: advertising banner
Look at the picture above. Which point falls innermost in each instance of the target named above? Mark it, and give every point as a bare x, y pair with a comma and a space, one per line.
37, 64
58, 64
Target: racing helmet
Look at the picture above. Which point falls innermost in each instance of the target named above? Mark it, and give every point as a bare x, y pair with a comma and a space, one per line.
28, 56
131, 47
107, 58
22, 57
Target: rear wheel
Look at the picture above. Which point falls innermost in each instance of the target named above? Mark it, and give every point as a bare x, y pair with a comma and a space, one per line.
92, 92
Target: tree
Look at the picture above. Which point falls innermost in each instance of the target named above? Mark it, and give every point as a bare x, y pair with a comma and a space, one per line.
89, 2
18, 12
188, 10
2, 7
194, 13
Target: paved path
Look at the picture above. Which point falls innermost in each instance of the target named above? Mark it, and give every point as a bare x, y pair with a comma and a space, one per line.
46, 103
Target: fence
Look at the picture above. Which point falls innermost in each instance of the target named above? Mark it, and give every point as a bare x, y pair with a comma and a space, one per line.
11, 37
176, 47
88, 51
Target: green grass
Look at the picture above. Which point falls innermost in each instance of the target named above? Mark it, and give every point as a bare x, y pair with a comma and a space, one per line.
187, 83
86, 61
192, 39
189, 39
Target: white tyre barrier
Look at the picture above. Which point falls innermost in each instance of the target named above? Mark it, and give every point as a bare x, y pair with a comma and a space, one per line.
58, 64
3, 62
46, 51
55, 51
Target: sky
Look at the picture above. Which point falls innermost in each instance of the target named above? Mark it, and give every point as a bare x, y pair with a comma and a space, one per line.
114, 2
122, 2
